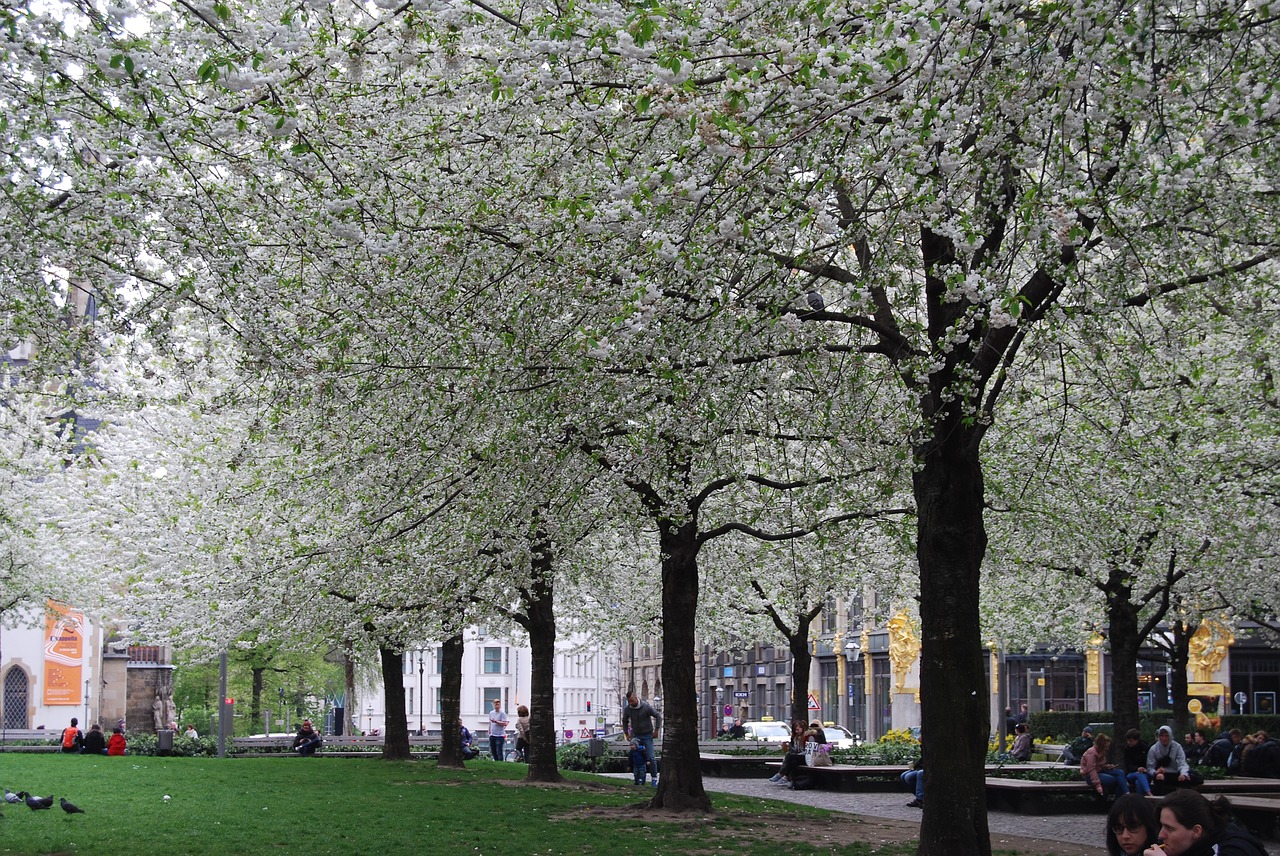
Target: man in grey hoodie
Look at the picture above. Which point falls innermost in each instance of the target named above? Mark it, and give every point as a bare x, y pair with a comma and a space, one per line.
1167, 760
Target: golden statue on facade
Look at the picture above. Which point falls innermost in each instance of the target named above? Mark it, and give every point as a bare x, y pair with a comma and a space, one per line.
1208, 647
904, 647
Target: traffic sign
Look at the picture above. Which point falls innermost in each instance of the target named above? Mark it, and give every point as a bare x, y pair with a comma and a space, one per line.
813, 702
728, 710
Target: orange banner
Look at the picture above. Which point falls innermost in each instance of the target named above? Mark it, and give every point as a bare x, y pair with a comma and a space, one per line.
63, 654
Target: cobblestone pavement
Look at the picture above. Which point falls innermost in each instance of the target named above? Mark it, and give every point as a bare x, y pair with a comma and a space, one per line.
1086, 829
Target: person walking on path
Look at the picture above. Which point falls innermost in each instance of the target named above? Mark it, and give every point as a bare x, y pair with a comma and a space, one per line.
641, 722
522, 733
497, 730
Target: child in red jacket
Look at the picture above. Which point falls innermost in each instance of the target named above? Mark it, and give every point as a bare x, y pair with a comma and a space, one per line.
115, 746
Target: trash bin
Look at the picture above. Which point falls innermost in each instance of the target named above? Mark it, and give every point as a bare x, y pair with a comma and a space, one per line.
595, 748
164, 742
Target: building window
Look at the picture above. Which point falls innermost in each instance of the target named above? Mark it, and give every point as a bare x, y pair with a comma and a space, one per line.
439, 661
493, 660
491, 694
15, 699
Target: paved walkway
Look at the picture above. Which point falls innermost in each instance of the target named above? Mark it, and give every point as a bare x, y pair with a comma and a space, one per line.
1087, 829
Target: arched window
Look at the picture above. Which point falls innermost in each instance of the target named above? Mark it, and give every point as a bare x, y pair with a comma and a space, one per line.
15, 699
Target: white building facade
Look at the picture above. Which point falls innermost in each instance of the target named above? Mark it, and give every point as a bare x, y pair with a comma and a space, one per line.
585, 694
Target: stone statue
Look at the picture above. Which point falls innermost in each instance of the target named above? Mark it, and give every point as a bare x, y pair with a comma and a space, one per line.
170, 710
904, 647
157, 712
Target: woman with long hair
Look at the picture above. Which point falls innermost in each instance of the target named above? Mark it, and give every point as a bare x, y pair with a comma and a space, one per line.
1132, 826
1100, 774
795, 753
1190, 825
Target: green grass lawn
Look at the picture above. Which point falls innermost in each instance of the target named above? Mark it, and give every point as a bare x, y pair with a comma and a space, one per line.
357, 806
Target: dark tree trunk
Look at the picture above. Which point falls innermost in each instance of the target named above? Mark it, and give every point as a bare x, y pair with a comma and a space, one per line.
349, 690
541, 626
395, 737
801, 663
1122, 632
255, 695
680, 783
451, 701
951, 543
1179, 654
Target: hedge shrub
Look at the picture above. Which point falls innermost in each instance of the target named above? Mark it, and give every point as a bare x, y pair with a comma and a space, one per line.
1064, 726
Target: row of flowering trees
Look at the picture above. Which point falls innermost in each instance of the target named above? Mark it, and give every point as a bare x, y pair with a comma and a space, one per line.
492, 283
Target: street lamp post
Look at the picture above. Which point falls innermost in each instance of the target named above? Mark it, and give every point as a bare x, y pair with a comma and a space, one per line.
852, 722
421, 700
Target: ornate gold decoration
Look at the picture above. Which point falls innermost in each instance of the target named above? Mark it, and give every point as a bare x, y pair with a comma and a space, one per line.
995, 668
1207, 649
904, 647
1093, 666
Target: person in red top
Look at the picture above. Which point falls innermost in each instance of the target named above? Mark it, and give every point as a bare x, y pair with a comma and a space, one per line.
116, 745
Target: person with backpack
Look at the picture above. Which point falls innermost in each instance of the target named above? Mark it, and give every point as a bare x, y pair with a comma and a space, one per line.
72, 737
1222, 751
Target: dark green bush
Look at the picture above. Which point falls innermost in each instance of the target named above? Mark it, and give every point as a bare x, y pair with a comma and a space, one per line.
1066, 725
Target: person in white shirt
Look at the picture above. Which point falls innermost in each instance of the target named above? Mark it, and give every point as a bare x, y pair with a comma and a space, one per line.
191, 733
497, 730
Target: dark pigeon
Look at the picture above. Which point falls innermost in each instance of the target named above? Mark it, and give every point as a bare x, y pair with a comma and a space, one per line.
70, 808
39, 803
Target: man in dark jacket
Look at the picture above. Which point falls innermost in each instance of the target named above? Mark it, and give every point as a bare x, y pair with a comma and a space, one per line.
641, 722
1074, 751
1134, 756
1220, 753
308, 740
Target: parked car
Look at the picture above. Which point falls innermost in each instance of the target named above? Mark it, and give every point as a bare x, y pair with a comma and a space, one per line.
774, 732
839, 736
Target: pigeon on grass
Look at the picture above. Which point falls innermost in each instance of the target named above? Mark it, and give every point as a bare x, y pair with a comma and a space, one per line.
70, 808
39, 803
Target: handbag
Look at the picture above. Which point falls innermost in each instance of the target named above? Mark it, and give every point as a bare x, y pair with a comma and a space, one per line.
821, 759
